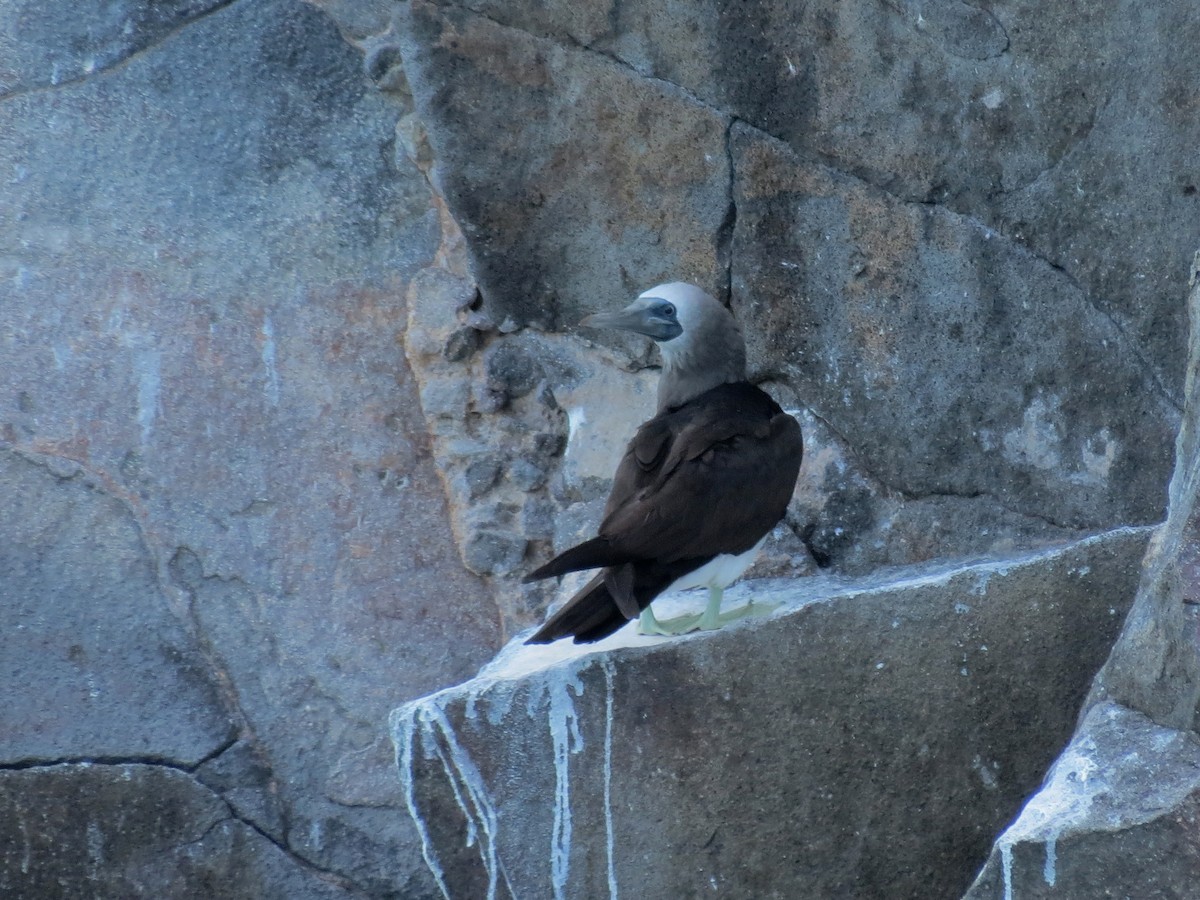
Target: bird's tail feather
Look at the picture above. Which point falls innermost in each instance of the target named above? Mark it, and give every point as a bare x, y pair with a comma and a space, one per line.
591, 615
589, 555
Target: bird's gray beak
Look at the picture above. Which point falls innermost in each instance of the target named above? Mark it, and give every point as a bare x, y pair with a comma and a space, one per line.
639, 317
631, 318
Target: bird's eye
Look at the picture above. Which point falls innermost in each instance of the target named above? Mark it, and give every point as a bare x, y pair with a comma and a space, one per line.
667, 309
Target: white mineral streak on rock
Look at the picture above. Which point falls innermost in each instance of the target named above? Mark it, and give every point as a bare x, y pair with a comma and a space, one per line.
1098, 463
564, 732
993, 98
1066, 795
1100, 784
1038, 441
608, 816
148, 366
1049, 873
555, 671
427, 719
268, 358
551, 677
1006, 869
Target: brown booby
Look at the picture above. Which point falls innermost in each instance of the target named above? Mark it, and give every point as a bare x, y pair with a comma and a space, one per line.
700, 485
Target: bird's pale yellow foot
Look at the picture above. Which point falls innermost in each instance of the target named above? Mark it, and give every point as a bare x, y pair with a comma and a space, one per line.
649, 624
745, 612
710, 620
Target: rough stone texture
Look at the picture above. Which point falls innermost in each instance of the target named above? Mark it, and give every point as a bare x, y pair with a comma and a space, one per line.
922, 228
951, 362
106, 669
848, 520
205, 250
865, 741
248, 354
48, 44
1155, 666
611, 183
137, 831
1117, 817
1045, 122
1118, 814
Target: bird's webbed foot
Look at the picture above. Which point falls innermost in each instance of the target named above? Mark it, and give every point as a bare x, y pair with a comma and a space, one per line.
710, 620
745, 612
649, 624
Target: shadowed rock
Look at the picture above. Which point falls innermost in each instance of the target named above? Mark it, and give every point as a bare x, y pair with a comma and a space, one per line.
137, 831
1117, 814
865, 741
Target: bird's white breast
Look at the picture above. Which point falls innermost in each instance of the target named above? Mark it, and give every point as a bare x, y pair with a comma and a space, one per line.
720, 571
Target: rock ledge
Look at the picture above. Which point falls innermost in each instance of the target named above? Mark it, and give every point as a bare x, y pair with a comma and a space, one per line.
868, 738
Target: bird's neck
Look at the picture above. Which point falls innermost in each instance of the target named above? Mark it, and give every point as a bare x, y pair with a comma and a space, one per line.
698, 366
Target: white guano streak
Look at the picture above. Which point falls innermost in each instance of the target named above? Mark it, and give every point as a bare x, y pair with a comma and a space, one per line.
470, 793
608, 814
268, 358
425, 720
564, 733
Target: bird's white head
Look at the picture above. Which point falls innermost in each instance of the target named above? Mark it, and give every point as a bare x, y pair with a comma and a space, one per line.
700, 341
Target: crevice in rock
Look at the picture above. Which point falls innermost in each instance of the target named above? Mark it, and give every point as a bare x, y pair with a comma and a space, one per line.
217, 823
169, 590
327, 875
1129, 342
898, 9
1076, 143
190, 770
218, 751
569, 42
1016, 247
165, 762
121, 61
86, 760
728, 226
243, 730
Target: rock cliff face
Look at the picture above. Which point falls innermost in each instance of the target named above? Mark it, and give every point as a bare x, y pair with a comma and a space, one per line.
212, 457
293, 394
879, 192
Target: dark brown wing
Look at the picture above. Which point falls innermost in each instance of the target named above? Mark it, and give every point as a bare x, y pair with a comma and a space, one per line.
712, 476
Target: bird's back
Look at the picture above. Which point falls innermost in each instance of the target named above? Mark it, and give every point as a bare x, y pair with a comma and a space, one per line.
710, 476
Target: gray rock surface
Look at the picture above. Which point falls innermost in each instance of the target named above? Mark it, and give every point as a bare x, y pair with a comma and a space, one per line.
609, 183
1154, 667
130, 830
76, 575
48, 44
1116, 817
866, 740
234, 527
911, 333
1065, 131
291, 395
918, 226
